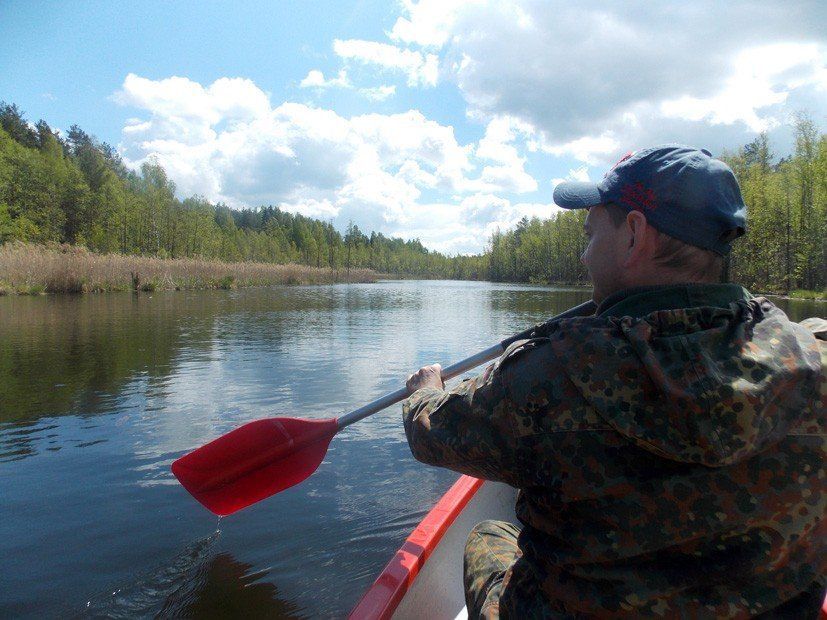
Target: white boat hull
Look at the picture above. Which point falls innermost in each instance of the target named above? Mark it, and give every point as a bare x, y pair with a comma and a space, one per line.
424, 579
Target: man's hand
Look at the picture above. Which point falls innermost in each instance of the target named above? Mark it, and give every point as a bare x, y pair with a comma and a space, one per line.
427, 376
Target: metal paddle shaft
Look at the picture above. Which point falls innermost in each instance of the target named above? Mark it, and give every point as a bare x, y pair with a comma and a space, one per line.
460, 367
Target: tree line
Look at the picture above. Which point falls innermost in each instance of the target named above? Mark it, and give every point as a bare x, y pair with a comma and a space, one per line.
784, 248
77, 190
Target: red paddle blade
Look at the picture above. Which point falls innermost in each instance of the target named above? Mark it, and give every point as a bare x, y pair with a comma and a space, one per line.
254, 461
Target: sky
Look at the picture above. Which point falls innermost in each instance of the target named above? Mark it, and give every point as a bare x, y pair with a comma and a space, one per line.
438, 120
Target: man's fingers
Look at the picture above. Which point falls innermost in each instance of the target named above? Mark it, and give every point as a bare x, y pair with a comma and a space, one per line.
435, 368
427, 375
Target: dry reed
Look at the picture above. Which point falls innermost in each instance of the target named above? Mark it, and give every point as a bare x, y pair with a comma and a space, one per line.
54, 268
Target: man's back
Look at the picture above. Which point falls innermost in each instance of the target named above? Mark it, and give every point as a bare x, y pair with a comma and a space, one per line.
669, 451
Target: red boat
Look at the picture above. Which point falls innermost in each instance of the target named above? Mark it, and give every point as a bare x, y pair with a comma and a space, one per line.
424, 578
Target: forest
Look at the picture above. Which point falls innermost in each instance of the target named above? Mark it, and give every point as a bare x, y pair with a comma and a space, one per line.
76, 190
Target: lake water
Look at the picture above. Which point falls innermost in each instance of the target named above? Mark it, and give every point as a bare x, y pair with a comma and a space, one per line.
100, 393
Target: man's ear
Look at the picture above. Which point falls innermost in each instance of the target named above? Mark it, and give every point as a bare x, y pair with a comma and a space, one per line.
640, 237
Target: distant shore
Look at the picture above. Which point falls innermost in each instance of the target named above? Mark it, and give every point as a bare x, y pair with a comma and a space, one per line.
32, 269
38, 269
803, 294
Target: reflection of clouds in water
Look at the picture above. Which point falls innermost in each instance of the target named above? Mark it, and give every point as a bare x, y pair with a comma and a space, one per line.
316, 363
293, 355
186, 410
352, 346
316, 357
186, 368
440, 324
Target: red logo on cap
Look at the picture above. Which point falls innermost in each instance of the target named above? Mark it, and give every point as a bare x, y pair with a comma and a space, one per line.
622, 159
619, 161
637, 197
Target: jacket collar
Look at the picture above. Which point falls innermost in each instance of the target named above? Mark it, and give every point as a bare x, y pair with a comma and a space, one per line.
640, 301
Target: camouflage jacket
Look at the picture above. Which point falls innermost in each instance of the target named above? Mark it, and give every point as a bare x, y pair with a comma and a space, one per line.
669, 451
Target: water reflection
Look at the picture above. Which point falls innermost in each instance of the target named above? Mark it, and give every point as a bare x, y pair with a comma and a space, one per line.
88, 355
144, 594
226, 588
197, 583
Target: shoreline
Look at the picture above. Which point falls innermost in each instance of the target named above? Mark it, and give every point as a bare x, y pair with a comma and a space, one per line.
28, 269
55, 269
797, 295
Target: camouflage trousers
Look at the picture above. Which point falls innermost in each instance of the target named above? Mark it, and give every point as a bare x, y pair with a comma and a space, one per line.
490, 551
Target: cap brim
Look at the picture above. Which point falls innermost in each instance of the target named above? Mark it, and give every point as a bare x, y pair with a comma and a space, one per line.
576, 195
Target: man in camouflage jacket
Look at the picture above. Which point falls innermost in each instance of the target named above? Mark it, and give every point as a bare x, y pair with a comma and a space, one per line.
669, 449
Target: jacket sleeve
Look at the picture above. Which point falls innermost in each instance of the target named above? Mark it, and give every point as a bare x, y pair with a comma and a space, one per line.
817, 326
469, 428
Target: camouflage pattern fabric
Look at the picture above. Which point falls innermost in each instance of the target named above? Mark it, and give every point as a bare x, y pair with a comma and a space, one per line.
669, 451
490, 550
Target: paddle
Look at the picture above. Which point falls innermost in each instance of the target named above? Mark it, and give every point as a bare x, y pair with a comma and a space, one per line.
262, 458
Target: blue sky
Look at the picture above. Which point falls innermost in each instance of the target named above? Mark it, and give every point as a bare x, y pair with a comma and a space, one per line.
79, 54
440, 120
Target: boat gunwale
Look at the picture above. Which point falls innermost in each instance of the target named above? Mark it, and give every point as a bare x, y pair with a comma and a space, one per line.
383, 597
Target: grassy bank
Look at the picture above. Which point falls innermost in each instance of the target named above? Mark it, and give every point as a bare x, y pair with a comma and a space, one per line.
803, 294
28, 269
795, 294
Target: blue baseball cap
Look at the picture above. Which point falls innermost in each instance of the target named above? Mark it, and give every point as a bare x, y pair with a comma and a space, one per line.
684, 192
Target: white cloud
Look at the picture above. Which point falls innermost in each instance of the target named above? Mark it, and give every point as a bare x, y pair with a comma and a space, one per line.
596, 80
533, 209
310, 207
421, 68
761, 77
466, 230
485, 208
588, 149
410, 136
501, 132
499, 144
316, 79
378, 93
372, 168
505, 178
429, 22
576, 174
181, 98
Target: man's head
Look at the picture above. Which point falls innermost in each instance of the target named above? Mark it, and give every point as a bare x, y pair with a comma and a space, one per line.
662, 215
